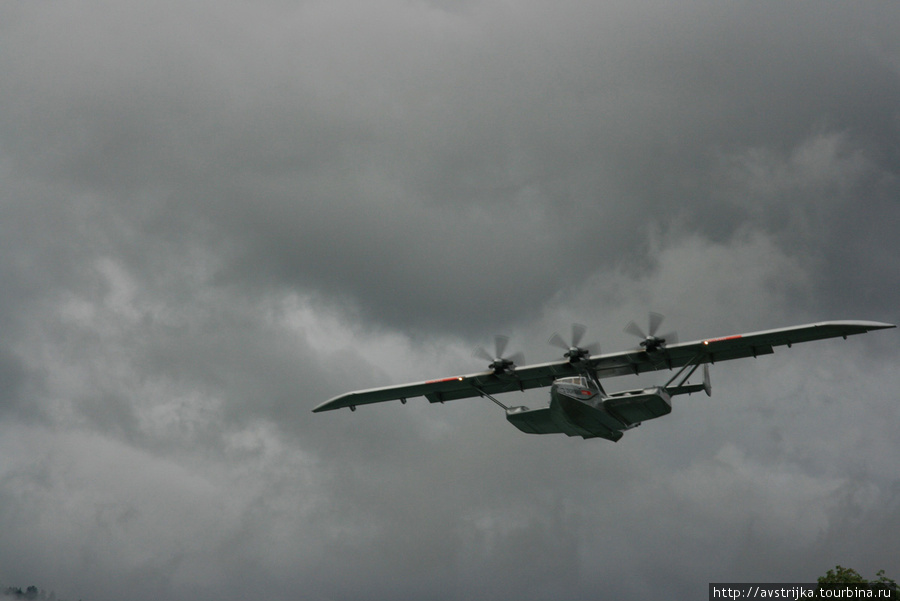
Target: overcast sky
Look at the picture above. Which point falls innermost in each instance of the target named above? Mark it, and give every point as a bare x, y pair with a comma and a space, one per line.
216, 215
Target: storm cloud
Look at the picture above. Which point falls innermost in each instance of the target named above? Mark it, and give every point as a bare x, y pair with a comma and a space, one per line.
215, 216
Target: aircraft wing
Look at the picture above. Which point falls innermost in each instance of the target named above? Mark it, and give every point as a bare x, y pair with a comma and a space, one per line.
724, 348
457, 387
709, 350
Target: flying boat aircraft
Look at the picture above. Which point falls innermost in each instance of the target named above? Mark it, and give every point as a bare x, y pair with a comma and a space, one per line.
579, 405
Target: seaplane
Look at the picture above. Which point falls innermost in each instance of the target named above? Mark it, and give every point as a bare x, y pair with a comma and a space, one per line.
579, 405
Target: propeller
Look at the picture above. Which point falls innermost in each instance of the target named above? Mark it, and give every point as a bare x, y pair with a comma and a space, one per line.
498, 363
650, 341
575, 353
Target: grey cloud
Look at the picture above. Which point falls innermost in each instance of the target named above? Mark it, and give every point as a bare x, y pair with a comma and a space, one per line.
490, 168
213, 217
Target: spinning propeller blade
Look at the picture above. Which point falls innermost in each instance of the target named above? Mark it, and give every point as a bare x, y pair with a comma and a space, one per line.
557, 341
655, 319
498, 362
480, 353
575, 353
650, 341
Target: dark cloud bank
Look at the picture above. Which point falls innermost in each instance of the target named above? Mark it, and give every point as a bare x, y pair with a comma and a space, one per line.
215, 216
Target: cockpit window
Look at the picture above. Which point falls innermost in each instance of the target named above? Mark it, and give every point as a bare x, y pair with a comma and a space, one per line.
576, 380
